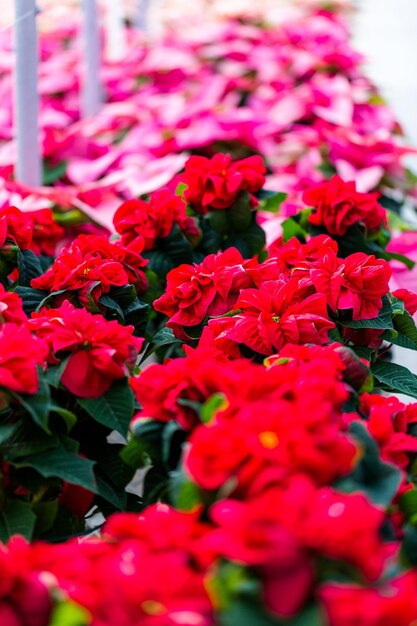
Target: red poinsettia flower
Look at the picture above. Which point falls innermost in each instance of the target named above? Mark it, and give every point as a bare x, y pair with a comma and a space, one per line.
211, 288
274, 315
154, 219
100, 352
216, 183
20, 355
338, 205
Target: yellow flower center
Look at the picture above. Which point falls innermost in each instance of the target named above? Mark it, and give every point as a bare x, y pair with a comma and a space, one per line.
269, 440
151, 607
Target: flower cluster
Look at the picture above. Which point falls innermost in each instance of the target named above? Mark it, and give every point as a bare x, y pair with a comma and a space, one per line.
286, 299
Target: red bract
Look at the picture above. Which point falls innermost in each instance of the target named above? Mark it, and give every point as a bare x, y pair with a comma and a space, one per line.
46, 233
153, 220
160, 388
91, 265
119, 578
295, 522
357, 283
338, 205
388, 422
409, 298
16, 226
216, 183
298, 426
273, 315
20, 355
211, 288
386, 604
76, 499
11, 308
100, 352
24, 599
249, 534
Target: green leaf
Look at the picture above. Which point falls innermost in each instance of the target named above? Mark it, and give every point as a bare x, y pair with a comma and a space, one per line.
69, 613
173, 436
169, 253
397, 223
38, 405
17, 518
164, 337
111, 493
220, 222
240, 213
26, 439
113, 409
69, 417
249, 242
291, 228
58, 462
355, 240
395, 256
7, 431
215, 403
395, 378
54, 372
409, 545
179, 191
52, 173
185, 493
31, 298
134, 454
408, 503
405, 334
29, 266
378, 479
271, 200
248, 613
111, 304
383, 321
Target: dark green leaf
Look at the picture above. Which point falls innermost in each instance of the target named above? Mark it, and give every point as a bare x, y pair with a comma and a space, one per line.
169, 253
409, 546
383, 321
29, 266
395, 378
58, 462
37, 405
16, 518
31, 298
114, 495
249, 242
356, 240
26, 439
405, 334
240, 213
52, 173
378, 479
113, 409
163, 337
